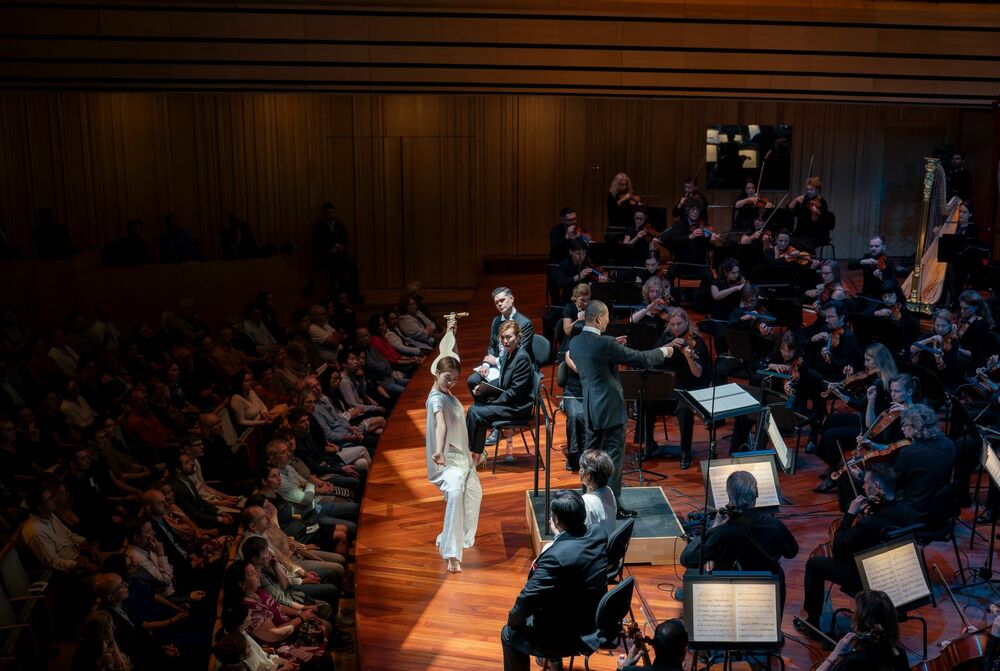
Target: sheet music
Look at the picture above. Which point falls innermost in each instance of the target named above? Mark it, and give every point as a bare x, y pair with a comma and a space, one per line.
728, 397
991, 463
734, 612
762, 471
898, 573
778, 442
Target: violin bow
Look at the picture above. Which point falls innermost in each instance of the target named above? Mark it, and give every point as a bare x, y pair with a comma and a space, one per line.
776, 208
810, 169
850, 478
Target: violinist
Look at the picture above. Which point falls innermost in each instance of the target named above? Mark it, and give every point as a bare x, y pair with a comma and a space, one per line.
749, 315
573, 311
621, 202
726, 289
639, 235
560, 237
757, 239
813, 220
656, 296
975, 322
691, 198
924, 467
693, 370
744, 536
939, 351
688, 242
831, 289
859, 529
787, 361
873, 645
842, 428
576, 268
876, 267
834, 347
748, 208
891, 305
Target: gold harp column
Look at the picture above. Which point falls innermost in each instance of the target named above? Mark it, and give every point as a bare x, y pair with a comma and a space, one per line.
914, 304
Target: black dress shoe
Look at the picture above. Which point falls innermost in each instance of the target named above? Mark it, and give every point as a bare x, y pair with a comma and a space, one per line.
810, 447
986, 518
809, 632
826, 487
626, 514
685, 462
824, 475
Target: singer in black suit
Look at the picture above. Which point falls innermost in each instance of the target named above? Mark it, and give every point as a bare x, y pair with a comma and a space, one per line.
597, 357
557, 607
511, 399
503, 298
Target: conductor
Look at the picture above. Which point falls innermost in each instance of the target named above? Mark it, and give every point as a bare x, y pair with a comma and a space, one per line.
596, 357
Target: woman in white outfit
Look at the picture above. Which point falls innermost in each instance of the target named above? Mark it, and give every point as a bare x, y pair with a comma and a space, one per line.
450, 465
596, 468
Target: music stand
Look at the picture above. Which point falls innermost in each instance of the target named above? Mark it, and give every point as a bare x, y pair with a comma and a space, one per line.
760, 464
787, 311
610, 254
738, 612
868, 329
897, 568
990, 463
640, 385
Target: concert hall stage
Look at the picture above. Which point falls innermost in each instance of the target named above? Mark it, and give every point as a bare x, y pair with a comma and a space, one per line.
414, 616
656, 536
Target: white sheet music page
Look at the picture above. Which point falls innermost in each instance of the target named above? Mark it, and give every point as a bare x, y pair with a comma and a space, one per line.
991, 463
713, 613
727, 397
734, 612
762, 471
897, 572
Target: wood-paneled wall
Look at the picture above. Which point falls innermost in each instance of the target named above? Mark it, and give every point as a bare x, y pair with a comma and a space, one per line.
429, 184
908, 52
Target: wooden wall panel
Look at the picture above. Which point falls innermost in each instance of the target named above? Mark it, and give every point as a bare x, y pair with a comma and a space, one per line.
417, 176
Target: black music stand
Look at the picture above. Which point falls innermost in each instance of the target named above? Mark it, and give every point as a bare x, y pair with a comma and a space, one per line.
990, 463
640, 386
869, 329
610, 254
639, 337
787, 311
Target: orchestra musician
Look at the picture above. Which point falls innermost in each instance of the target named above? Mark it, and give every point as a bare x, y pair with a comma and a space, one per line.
576, 268
892, 306
688, 242
782, 257
656, 296
748, 208
757, 239
573, 312
691, 198
842, 428
621, 202
749, 315
959, 180
831, 289
639, 235
743, 536
940, 350
692, 370
725, 291
924, 467
876, 267
975, 323
560, 236
835, 347
873, 645
859, 529
787, 359
572, 401
812, 216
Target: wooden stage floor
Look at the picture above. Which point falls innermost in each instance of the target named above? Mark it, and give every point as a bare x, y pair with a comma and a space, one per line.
412, 614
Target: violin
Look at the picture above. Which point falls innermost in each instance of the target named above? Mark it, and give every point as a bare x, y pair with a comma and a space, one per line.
792, 255
814, 206
761, 316
864, 456
992, 365
882, 422
832, 341
648, 229
851, 381
629, 198
763, 202
791, 384
690, 344
963, 326
881, 263
597, 269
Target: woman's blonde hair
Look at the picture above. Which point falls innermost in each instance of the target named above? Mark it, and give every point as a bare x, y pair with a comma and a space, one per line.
648, 286
582, 289
621, 179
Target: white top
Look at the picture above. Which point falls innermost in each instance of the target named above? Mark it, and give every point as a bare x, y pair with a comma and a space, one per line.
66, 359
601, 506
52, 542
259, 334
78, 412
257, 659
248, 410
456, 451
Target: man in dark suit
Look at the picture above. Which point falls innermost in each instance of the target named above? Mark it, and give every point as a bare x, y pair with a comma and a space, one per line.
203, 513
503, 298
876, 268
558, 604
134, 639
596, 358
509, 397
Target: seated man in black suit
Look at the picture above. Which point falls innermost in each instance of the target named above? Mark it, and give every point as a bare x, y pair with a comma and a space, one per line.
503, 298
558, 604
203, 513
509, 397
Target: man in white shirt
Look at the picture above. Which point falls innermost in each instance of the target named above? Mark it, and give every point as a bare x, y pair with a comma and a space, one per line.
51, 541
297, 490
326, 338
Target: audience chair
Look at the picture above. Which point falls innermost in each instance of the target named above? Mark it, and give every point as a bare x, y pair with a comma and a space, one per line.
618, 543
611, 611
19, 639
18, 584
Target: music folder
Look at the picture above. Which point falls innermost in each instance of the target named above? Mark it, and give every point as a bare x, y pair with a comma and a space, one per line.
991, 463
897, 569
728, 400
732, 610
770, 433
760, 465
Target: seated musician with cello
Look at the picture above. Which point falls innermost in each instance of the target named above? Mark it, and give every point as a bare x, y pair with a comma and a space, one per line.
939, 351
748, 208
577, 268
743, 536
693, 370
873, 643
842, 428
860, 529
876, 267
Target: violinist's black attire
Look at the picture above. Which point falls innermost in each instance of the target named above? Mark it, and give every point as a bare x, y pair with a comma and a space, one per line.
691, 253
871, 285
809, 234
567, 277
683, 379
856, 534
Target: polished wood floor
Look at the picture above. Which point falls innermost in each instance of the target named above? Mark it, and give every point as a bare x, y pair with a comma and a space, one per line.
412, 614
